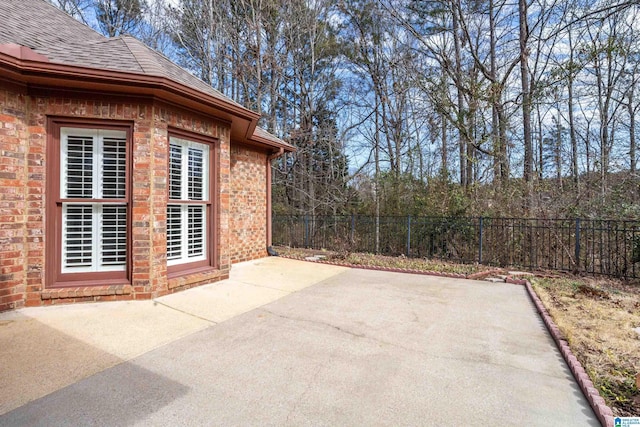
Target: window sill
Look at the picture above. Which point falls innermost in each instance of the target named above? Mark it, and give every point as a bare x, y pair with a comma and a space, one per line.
85, 290
89, 283
190, 271
185, 279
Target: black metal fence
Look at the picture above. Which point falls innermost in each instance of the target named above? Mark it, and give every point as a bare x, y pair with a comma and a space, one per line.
606, 247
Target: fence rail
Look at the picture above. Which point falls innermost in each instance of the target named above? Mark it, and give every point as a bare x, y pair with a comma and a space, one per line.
606, 247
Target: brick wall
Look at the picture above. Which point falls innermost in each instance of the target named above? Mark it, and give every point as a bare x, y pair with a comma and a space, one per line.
23, 165
248, 220
165, 117
13, 197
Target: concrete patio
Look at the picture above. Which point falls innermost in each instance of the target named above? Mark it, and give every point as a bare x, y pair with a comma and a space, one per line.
286, 342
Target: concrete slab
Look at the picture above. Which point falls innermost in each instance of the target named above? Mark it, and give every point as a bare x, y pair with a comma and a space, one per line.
251, 284
47, 348
44, 349
283, 274
520, 273
124, 329
36, 360
220, 301
360, 348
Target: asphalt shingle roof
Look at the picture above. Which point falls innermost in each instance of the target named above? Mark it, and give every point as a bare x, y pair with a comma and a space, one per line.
49, 31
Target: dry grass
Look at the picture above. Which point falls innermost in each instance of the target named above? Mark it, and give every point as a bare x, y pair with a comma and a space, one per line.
365, 259
596, 316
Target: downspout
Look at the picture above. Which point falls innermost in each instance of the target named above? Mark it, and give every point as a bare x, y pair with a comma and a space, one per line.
270, 157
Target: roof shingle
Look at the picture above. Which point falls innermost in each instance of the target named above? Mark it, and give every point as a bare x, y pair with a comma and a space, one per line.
49, 31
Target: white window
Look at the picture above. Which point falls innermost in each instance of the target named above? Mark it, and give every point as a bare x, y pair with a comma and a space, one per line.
189, 200
93, 165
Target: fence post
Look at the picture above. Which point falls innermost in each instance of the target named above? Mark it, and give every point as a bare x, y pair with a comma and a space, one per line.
408, 235
480, 241
306, 231
577, 254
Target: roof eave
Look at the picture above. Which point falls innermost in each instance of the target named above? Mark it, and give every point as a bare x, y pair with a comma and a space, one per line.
277, 146
42, 73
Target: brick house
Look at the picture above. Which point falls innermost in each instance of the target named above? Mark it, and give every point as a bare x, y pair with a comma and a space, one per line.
122, 176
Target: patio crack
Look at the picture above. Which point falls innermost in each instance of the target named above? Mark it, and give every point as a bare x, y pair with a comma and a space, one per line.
316, 322
409, 349
155, 301
308, 388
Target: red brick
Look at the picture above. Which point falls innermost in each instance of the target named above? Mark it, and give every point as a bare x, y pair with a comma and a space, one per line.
242, 206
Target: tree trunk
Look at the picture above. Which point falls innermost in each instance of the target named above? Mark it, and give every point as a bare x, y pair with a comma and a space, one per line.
376, 180
495, 100
526, 96
444, 166
540, 143
632, 132
558, 148
572, 126
463, 144
472, 154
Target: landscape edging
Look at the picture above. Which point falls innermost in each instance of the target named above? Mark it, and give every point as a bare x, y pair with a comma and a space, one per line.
597, 403
600, 408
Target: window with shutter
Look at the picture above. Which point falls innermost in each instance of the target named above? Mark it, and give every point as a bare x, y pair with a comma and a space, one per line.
93, 200
189, 206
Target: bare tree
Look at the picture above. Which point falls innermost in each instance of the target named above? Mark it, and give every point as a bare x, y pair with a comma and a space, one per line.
525, 87
75, 8
604, 51
117, 17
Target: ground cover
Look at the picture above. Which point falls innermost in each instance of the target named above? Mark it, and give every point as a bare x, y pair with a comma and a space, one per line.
371, 260
599, 318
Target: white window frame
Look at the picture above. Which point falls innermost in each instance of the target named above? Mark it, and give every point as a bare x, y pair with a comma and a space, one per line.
184, 203
97, 201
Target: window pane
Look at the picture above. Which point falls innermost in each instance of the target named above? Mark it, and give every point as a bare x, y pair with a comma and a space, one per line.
174, 232
114, 167
175, 171
187, 224
114, 235
196, 171
77, 235
79, 172
196, 234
